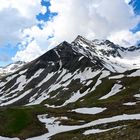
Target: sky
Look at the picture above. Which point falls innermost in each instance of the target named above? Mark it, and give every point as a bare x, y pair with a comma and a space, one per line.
31, 27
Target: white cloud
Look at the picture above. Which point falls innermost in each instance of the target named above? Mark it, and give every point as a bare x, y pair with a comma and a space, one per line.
127, 1
125, 38
90, 18
29, 53
17, 15
43, 9
27, 9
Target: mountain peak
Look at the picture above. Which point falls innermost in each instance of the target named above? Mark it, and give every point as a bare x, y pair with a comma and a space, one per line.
80, 39
96, 42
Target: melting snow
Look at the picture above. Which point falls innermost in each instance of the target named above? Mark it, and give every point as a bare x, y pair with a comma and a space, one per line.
11, 77
134, 74
77, 95
115, 89
95, 131
34, 101
117, 76
103, 75
81, 58
16, 99
22, 72
130, 103
6, 138
93, 110
86, 74
49, 75
137, 95
54, 127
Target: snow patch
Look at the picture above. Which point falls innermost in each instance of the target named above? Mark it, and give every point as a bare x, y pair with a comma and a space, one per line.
93, 110
115, 89
54, 127
16, 99
134, 74
95, 131
49, 75
130, 103
137, 95
117, 76
6, 138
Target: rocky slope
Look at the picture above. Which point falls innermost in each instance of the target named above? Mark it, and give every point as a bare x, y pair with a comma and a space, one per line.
83, 90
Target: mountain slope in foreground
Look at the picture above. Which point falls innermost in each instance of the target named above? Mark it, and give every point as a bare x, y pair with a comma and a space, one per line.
85, 90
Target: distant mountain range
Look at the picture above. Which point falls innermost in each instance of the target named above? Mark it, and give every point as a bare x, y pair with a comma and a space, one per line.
11, 68
83, 90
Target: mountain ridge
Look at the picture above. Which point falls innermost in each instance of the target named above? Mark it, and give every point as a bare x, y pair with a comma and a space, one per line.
79, 90
65, 59
11, 68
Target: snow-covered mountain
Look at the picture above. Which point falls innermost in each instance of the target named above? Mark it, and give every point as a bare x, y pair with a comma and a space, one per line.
91, 86
114, 57
11, 68
67, 64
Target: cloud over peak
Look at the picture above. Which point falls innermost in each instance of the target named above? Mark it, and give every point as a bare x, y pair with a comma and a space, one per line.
102, 19
16, 16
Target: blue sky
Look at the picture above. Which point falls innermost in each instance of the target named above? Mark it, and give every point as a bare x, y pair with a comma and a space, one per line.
10, 49
48, 14
136, 5
6, 52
